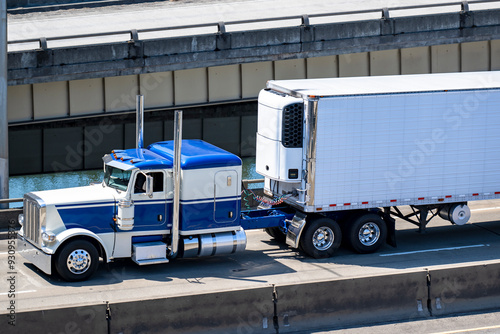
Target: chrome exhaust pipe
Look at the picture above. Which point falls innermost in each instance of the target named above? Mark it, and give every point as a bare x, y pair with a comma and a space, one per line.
177, 182
139, 133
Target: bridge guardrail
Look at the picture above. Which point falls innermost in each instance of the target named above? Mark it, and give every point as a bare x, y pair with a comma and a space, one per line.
10, 200
221, 26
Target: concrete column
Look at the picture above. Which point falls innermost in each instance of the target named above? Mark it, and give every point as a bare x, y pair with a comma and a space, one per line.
4, 143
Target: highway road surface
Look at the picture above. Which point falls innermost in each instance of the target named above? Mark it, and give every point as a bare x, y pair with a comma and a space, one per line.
477, 323
265, 262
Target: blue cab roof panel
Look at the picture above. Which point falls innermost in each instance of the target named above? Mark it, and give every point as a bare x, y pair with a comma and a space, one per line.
194, 154
141, 158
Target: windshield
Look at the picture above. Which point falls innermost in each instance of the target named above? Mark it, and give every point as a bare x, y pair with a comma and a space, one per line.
116, 178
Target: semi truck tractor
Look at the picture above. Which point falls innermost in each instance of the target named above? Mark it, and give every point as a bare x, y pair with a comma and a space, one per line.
340, 158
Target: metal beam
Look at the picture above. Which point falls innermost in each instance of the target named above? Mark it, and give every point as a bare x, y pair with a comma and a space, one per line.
4, 138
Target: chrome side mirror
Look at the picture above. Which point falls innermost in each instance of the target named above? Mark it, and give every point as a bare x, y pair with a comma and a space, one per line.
149, 185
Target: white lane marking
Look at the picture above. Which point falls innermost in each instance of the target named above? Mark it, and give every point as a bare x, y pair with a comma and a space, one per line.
469, 330
484, 209
436, 250
27, 291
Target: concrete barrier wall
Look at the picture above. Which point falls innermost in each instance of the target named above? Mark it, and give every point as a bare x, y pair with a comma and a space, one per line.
302, 306
465, 289
244, 311
85, 319
355, 301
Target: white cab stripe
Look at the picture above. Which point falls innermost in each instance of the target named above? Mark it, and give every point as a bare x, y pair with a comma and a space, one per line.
83, 206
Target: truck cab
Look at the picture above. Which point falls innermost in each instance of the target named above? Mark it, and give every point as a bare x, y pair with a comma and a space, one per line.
129, 214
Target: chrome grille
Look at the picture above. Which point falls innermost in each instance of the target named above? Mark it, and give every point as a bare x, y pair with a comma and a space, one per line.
34, 216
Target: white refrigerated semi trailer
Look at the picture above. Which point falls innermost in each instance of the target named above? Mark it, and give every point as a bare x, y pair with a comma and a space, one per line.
346, 148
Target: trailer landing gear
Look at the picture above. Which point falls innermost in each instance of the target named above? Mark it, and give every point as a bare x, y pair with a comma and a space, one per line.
421, 212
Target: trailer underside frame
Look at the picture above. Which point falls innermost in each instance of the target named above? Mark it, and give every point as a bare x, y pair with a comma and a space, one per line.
420, 212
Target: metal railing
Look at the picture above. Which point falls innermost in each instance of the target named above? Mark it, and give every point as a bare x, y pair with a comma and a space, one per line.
247, 182
221, 26
10, 200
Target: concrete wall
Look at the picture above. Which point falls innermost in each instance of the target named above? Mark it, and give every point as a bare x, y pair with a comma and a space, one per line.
81, 144
235, 82
61, 146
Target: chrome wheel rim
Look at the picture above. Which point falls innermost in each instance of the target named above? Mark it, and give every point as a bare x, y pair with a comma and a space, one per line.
79, 261
323, 238
369, 234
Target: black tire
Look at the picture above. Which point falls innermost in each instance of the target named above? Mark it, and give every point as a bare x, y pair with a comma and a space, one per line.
77, 261
276, 234
367, 233
321, 238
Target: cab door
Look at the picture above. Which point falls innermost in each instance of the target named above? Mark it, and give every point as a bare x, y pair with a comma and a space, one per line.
226, 195
150, 212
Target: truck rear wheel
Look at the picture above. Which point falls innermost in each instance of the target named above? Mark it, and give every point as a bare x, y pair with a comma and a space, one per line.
321, 238
367, 233
77, 261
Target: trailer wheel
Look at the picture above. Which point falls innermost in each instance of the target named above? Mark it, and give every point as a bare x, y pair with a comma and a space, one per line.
275, 233
77, 261
321, 238
367, 233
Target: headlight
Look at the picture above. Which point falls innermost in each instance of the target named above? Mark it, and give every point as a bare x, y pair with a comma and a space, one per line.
20, 219
48, 237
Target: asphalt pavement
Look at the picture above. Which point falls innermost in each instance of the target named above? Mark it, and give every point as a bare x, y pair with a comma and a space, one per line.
477, 323
264, 263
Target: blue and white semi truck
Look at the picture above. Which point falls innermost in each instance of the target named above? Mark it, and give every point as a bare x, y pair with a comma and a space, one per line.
343, 154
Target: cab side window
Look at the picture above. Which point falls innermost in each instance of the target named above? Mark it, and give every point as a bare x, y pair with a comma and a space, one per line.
140, 182
157, 181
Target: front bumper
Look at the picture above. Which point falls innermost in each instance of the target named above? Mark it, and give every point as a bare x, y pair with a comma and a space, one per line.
35, 255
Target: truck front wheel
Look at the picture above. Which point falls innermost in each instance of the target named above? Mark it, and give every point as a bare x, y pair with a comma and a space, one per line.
321, 238
77, 261
367, 233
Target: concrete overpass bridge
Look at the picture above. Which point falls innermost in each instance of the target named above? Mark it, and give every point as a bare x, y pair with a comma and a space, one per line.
71, 97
